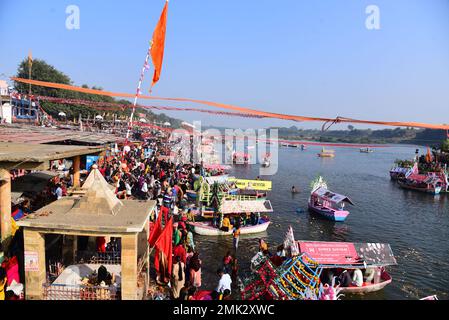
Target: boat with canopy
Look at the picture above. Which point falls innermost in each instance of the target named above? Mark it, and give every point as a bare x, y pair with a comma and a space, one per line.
235, 208
370, 258
326, 203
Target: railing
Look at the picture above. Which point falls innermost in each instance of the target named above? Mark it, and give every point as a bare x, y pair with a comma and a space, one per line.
108, 257
65, 292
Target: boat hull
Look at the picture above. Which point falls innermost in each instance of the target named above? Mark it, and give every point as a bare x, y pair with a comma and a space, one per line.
326, 155
333, 215
205, 229
433, 191
386, 280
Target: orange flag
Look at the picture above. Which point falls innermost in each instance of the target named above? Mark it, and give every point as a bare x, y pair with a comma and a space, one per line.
158, 44
165, 245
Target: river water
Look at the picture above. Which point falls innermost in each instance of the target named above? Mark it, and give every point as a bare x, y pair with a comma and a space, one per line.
416, 225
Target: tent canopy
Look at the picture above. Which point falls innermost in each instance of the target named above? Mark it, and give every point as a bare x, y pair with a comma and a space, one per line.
331, 196
241, 206
344, 254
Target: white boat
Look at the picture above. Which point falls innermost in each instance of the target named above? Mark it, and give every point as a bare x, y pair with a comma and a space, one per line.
206, 229
266, 163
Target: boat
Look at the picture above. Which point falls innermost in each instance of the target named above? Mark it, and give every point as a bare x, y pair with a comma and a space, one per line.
236, 207
266, 163
403, 169
433, 297
326, 203
422, 182
385, 279
366, 150
205, 228
326, 153
332, 256
240, 158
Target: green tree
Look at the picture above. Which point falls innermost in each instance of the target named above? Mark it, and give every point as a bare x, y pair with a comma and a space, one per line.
445, 146
43, 71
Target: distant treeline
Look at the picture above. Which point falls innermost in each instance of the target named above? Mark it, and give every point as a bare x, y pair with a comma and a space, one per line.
427, 137
398, 135
41, 70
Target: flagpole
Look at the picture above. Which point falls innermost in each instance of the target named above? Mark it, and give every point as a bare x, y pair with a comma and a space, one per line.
30, 63
145, 65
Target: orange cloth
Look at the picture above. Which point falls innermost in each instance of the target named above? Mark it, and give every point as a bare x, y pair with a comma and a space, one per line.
165, 245
157, 47
232, 107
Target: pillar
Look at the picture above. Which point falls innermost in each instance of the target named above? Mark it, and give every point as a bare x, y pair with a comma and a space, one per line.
34, 245
129, 267
69, 249
5, 203
76, 171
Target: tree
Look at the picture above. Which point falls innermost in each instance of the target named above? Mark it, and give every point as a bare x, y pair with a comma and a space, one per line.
445, 146
43, 71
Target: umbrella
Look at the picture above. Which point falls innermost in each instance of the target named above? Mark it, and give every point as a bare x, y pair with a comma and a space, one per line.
167, 124
99, 117
62, 114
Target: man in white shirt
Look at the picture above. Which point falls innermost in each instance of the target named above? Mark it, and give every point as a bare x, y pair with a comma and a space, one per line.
357, 278
224, 283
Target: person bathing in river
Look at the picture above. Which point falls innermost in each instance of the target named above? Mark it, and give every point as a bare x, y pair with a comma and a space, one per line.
227, 262
294, 190
236, 237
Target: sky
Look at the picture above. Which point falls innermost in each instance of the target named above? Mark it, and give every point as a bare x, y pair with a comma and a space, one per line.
302, 57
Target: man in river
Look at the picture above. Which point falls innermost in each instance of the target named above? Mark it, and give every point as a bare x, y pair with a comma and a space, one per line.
236, 236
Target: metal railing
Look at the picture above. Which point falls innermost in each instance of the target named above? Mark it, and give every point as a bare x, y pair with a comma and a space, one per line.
65, 292
108, 257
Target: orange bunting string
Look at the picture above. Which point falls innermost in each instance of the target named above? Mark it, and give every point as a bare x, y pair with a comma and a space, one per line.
236, 108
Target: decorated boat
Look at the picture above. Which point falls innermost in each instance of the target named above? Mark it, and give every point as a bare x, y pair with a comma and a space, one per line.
427, 183
236, 207
326, 153
334, 257
403, 169
206, 228
326, 203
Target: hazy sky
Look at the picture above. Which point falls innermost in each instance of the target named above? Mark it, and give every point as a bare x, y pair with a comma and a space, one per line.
312, 58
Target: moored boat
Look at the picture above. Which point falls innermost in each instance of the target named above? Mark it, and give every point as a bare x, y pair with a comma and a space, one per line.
366, 150
370, 258
423, 183
326, 203
205, 228
326, 153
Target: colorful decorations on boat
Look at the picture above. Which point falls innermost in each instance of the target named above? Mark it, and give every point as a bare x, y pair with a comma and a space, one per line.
326, 203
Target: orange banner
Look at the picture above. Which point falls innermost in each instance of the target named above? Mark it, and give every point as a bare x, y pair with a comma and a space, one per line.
235, 108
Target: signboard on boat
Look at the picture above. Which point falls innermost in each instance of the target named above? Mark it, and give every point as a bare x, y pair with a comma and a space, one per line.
347, 253
263, 185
